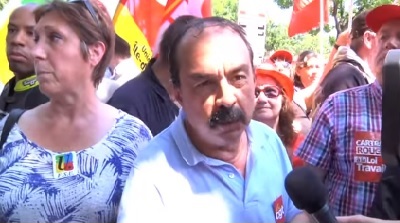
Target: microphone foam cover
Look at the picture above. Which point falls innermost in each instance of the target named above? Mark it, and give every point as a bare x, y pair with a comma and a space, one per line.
306, 189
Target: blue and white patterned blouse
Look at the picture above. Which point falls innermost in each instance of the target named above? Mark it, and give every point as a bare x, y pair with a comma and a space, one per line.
38, 185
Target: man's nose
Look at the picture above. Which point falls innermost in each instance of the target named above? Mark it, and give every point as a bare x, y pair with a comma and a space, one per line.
19, 38
226, 95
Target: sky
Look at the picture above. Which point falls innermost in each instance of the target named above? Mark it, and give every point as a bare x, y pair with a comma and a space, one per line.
276, 14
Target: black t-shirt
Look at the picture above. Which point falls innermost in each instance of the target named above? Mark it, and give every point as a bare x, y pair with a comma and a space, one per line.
145, 98
341, 77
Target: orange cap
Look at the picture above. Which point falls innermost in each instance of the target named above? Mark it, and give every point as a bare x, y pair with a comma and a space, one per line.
286, 55
268, 70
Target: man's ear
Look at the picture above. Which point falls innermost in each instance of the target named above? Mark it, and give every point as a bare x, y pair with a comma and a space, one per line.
177, 94
369, 38
96, 52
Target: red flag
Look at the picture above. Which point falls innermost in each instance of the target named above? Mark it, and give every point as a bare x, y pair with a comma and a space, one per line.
176, 8
306, 16
142, 22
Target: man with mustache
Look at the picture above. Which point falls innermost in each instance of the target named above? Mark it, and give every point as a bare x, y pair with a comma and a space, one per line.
22, 90
344, 143
213, 163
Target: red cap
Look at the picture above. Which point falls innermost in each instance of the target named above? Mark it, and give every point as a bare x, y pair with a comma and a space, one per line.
269, 70
381, 15
284, 54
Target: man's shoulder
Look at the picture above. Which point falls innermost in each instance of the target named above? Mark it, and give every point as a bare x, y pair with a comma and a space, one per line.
131, 90
258, 128
354, 92
346, 66
342, 72
268, 147
348, 98
136, 84
158, 150
263, 135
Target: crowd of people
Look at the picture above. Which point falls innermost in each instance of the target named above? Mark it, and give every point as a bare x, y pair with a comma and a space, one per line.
200, 135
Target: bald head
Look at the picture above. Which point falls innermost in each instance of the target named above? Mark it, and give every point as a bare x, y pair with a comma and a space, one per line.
20, 40
28, 8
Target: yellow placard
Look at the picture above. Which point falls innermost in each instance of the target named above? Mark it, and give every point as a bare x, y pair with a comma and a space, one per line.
126, 28
5, 73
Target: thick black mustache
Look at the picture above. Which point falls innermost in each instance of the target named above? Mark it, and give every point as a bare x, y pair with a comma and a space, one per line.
226, 115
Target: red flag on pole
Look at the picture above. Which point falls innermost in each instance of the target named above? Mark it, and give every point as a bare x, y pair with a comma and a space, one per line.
306, 16
176, 8
142, 22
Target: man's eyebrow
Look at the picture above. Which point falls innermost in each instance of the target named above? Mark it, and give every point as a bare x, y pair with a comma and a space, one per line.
241, 67
201, 76
26, 27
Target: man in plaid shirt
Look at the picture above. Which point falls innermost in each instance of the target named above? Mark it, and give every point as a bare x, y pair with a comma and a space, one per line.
344, 142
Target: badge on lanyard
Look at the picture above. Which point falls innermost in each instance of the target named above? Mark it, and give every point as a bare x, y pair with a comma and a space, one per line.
278, 210
65, 165
368, 164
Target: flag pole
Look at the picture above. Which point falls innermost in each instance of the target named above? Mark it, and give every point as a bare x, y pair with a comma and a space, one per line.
350, 15
321, 27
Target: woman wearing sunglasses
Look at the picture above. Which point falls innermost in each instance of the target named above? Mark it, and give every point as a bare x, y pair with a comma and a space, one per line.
67, 160
274, 93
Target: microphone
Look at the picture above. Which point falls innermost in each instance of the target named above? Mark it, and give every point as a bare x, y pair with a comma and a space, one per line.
308, 193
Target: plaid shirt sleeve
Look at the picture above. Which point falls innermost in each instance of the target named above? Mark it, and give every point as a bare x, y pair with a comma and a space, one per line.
317, 148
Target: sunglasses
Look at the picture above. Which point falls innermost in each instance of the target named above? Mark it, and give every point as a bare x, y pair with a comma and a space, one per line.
89, 7
269, 91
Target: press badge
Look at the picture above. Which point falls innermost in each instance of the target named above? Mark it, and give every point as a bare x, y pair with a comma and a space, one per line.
278, 210
65, 165
368, 163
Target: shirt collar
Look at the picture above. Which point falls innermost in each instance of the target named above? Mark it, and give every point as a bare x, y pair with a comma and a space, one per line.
26, 84
188, 151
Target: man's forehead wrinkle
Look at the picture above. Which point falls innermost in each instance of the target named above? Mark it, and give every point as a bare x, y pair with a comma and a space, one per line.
213, 29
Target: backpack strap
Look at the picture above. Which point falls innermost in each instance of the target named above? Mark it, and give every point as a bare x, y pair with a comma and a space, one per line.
12, 119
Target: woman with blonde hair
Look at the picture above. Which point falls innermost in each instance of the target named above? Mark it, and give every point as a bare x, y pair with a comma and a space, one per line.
68, 160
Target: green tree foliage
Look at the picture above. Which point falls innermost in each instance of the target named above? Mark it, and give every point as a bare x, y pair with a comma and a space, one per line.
276, 35
3, 3
339, 10
277, 38
227, 9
